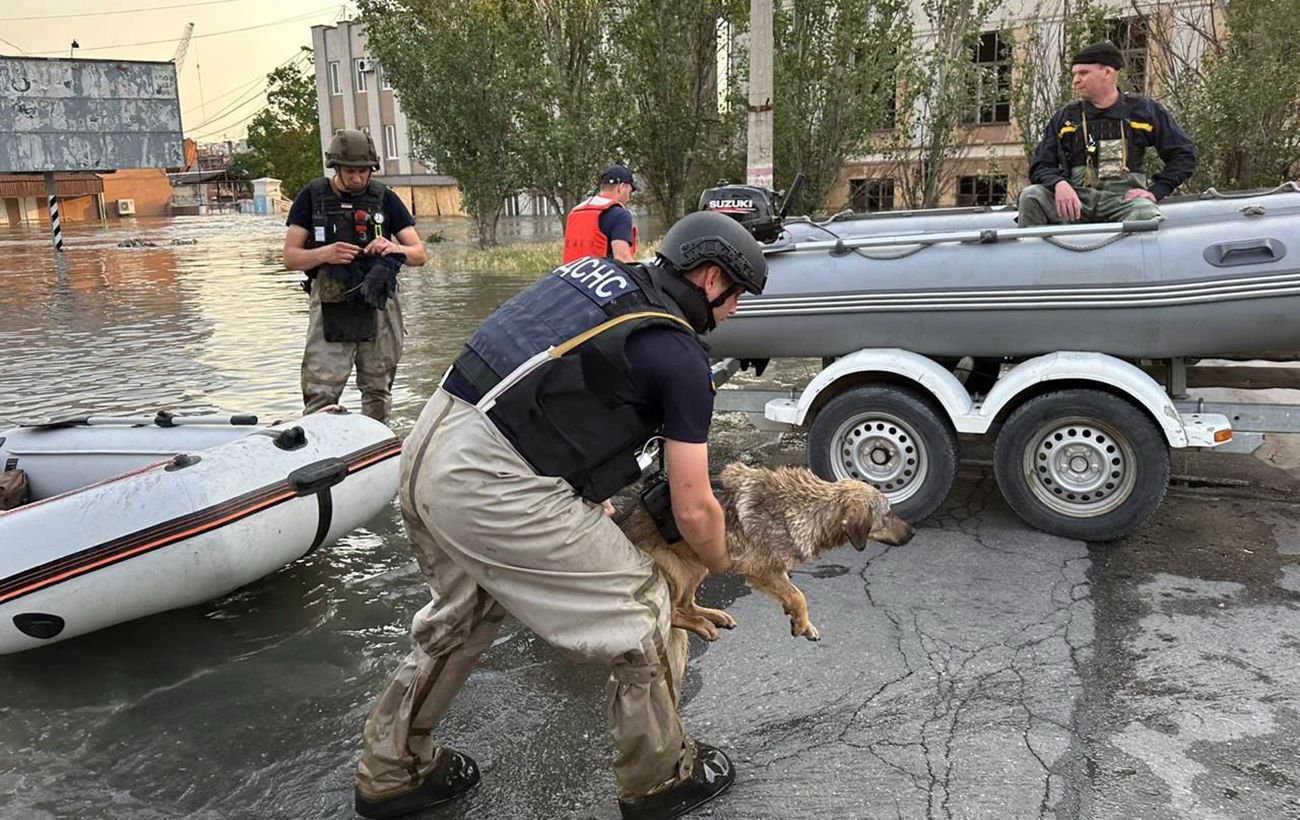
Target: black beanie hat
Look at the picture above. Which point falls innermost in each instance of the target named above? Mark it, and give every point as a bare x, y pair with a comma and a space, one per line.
1102, 53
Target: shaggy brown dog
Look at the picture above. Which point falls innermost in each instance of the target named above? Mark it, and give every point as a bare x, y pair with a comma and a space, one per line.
776, 520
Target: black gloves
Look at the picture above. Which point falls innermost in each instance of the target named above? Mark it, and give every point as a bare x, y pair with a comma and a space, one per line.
380, 281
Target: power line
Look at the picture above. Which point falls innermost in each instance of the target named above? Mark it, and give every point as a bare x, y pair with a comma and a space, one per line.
226, 128
260, 78
296, 18
15, 45
229, 109
119, 11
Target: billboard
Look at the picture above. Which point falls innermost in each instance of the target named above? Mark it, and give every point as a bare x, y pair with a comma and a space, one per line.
88, 115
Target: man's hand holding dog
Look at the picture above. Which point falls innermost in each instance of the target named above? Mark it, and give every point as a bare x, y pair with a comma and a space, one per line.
697, 512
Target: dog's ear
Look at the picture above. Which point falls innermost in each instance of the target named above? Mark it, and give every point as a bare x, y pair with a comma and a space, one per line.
857, 515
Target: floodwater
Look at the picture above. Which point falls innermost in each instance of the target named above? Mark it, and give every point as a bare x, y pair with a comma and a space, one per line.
250, 705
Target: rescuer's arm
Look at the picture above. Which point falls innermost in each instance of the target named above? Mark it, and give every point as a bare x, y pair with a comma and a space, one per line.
697, 512
297, 256
621, 250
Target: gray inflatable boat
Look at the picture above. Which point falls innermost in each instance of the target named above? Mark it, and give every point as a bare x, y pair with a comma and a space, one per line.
1220, 275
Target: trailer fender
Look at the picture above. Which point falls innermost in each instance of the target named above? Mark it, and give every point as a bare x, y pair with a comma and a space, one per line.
1074, 366
926, 373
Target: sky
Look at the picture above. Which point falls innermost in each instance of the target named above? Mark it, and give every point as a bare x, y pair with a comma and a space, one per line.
222, 79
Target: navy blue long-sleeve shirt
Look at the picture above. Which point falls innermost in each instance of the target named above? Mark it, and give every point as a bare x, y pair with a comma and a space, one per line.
1146, 124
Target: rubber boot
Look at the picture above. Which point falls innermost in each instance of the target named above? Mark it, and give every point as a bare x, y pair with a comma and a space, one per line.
455, 774
711, 774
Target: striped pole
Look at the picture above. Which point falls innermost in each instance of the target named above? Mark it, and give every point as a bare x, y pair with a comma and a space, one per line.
56, 226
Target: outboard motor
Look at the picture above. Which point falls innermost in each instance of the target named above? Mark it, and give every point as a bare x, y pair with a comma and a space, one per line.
753, 207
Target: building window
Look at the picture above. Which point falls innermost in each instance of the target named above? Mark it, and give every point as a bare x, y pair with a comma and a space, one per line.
867, 195
390, 141
1129, 34
990, 89
981, 190
384, 84
359, 69
332, 75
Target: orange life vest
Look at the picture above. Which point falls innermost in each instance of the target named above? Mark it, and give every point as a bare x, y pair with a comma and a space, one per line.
582, 234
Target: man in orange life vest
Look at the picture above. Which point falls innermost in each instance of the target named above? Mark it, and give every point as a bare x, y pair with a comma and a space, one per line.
601, 225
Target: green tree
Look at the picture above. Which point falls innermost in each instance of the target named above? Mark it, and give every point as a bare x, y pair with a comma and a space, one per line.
935, 106
284, 137
462, 72
669, 118
1234, 84
571, 110
834, 82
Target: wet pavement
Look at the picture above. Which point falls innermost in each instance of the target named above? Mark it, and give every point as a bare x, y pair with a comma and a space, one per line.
983, 670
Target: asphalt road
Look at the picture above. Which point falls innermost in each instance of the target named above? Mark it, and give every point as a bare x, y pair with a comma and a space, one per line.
985, 670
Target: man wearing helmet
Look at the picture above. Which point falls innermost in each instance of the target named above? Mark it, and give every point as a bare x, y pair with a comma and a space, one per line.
504, 487
351, 235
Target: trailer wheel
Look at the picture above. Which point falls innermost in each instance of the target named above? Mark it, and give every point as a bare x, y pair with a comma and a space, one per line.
891, 438
1082, 463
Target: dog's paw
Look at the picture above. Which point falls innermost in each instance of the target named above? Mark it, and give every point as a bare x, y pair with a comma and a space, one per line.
718, 618
805, 629
696, 624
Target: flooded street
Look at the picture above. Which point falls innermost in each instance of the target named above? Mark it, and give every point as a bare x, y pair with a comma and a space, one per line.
985, 670
251, 705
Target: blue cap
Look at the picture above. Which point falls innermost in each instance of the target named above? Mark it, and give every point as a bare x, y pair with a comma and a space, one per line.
616, 174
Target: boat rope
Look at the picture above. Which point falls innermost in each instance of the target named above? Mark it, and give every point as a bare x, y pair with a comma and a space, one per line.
1052, 240
1213, 193
882, 256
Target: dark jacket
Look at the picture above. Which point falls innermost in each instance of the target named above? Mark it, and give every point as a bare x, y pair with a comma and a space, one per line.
1144, 123
571, 416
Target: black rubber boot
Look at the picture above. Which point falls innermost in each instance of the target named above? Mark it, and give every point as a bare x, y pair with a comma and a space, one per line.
455, 774
711, 774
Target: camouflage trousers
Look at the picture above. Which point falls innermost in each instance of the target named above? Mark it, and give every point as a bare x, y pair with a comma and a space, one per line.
1103, 202
493, 537
326, 366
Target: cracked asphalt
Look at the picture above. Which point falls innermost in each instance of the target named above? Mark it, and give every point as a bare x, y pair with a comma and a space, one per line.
985, 670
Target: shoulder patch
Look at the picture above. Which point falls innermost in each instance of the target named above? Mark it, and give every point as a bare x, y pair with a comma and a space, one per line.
597, 279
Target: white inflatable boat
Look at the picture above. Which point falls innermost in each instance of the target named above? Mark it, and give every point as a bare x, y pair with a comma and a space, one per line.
129, 519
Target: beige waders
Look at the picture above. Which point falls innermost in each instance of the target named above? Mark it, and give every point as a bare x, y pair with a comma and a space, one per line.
491, 537
1103, 202
327, 365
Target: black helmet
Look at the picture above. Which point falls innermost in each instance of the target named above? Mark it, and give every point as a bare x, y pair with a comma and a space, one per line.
353, 149
706, 236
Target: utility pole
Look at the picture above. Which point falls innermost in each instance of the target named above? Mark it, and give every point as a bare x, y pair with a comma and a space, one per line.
758, 166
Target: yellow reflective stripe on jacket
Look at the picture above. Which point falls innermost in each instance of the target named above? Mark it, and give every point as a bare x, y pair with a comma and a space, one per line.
564, 347
1141, 126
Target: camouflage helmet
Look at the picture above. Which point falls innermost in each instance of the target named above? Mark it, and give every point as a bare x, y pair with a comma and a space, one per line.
352, 149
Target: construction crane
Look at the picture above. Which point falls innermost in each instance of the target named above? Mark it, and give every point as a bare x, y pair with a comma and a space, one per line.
183, 46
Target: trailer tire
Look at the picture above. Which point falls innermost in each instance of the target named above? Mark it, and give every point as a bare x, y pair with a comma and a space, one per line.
1082, 464
892, 438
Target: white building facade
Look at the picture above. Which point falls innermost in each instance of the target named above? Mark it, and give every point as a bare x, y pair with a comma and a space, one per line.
352, 92
989, 167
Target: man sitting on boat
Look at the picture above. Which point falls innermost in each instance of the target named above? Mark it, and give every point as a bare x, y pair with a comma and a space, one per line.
1088, 166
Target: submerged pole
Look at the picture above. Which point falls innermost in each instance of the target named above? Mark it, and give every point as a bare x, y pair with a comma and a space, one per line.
56, 227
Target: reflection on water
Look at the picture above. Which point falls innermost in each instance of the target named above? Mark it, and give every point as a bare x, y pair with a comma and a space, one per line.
251, 705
